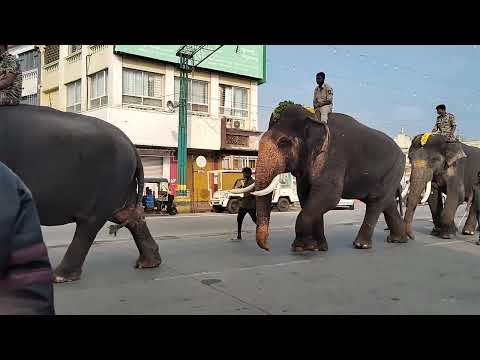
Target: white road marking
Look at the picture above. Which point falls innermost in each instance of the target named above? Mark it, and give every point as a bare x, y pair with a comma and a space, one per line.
231, 270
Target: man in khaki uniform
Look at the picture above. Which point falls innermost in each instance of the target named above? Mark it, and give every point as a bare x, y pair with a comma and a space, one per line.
445, 124
322, 98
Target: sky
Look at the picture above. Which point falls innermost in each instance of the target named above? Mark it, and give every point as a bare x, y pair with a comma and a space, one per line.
387, 87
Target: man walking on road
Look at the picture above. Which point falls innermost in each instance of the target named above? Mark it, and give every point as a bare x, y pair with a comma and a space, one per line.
248, 202
322, 98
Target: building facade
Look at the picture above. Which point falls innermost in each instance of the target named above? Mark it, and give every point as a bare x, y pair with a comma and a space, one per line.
132, 92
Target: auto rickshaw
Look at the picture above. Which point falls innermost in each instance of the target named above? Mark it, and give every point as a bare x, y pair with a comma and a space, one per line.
163, 200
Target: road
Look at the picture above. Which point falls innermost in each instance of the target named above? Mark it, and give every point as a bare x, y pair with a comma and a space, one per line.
206, 272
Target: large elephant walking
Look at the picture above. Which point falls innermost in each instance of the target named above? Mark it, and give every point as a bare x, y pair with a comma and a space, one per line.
80, 170
440, 167
342, 160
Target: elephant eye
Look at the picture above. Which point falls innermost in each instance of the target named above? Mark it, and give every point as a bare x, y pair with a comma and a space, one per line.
284, 142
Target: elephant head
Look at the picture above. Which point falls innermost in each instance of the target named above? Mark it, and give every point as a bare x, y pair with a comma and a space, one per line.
294, 142
431, 157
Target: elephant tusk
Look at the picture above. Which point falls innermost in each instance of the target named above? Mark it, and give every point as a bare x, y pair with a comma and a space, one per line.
428, 190
269, 188
242, 190
405, 192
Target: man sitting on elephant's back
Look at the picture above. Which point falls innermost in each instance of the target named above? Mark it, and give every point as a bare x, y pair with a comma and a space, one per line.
445, 124
10, 78
322, 99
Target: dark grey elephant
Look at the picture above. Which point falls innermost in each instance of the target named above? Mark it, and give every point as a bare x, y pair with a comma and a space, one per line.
345, 159
80, 170
440, 167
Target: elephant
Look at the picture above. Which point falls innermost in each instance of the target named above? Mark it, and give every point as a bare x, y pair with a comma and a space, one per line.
344, 159
441, 168
81, 170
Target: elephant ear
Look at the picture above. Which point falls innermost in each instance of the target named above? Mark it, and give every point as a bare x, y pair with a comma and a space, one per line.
453, 153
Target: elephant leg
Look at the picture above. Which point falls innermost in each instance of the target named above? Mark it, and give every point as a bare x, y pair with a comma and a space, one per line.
303, 189
310, 220
146, 245
133, 219
70, 268
395, 224
436, 206
364, 236
319, 234
471, 222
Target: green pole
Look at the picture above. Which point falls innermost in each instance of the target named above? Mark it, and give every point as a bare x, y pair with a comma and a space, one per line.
182, 129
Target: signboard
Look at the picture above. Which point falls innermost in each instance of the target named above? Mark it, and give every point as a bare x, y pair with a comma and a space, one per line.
201, 161
245, 60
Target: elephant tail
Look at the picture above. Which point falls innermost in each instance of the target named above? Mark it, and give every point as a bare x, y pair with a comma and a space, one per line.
140, 177
400, 202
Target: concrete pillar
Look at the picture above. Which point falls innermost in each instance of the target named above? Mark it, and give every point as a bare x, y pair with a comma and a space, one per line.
85, 92
215, 97
253, 108
115, 80
169, 94
62, 90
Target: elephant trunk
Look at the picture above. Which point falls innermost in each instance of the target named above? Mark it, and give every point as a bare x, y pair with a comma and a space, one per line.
270, 164
420, 180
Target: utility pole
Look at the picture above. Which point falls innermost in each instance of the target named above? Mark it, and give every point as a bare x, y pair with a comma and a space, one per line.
190, 56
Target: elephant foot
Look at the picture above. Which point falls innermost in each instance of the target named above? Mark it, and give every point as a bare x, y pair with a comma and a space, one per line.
468, 232
445, 236
362, 244
435, 231
299, 246
147, 263
322, 246
62, 276
396, 239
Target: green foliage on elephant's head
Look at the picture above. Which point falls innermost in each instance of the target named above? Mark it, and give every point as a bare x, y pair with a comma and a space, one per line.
279, 109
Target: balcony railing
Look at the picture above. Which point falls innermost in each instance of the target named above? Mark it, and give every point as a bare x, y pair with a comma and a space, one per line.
97, 48
30, 74
52, 67
73, 58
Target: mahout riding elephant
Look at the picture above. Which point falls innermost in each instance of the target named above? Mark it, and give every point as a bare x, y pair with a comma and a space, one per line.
441, 167
345, 159
80, 170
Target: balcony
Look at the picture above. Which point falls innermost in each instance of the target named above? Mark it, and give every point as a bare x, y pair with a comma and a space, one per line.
73, 67
50, 77
99, 58
236, 137
30, 82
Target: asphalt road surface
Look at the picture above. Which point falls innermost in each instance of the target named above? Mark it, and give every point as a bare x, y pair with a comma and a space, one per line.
204, 271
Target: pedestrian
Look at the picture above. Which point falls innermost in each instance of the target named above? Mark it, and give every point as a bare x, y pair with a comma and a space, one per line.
10, 78
248, 202
26, 279
474, 200
322, 98
446, 124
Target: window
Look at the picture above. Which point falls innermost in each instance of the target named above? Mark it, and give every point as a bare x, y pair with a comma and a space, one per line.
239, 162
52, 54
74, 96
142, 88
233, 101
73, 49
29, 99
197, 95
28, 60
98, 89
